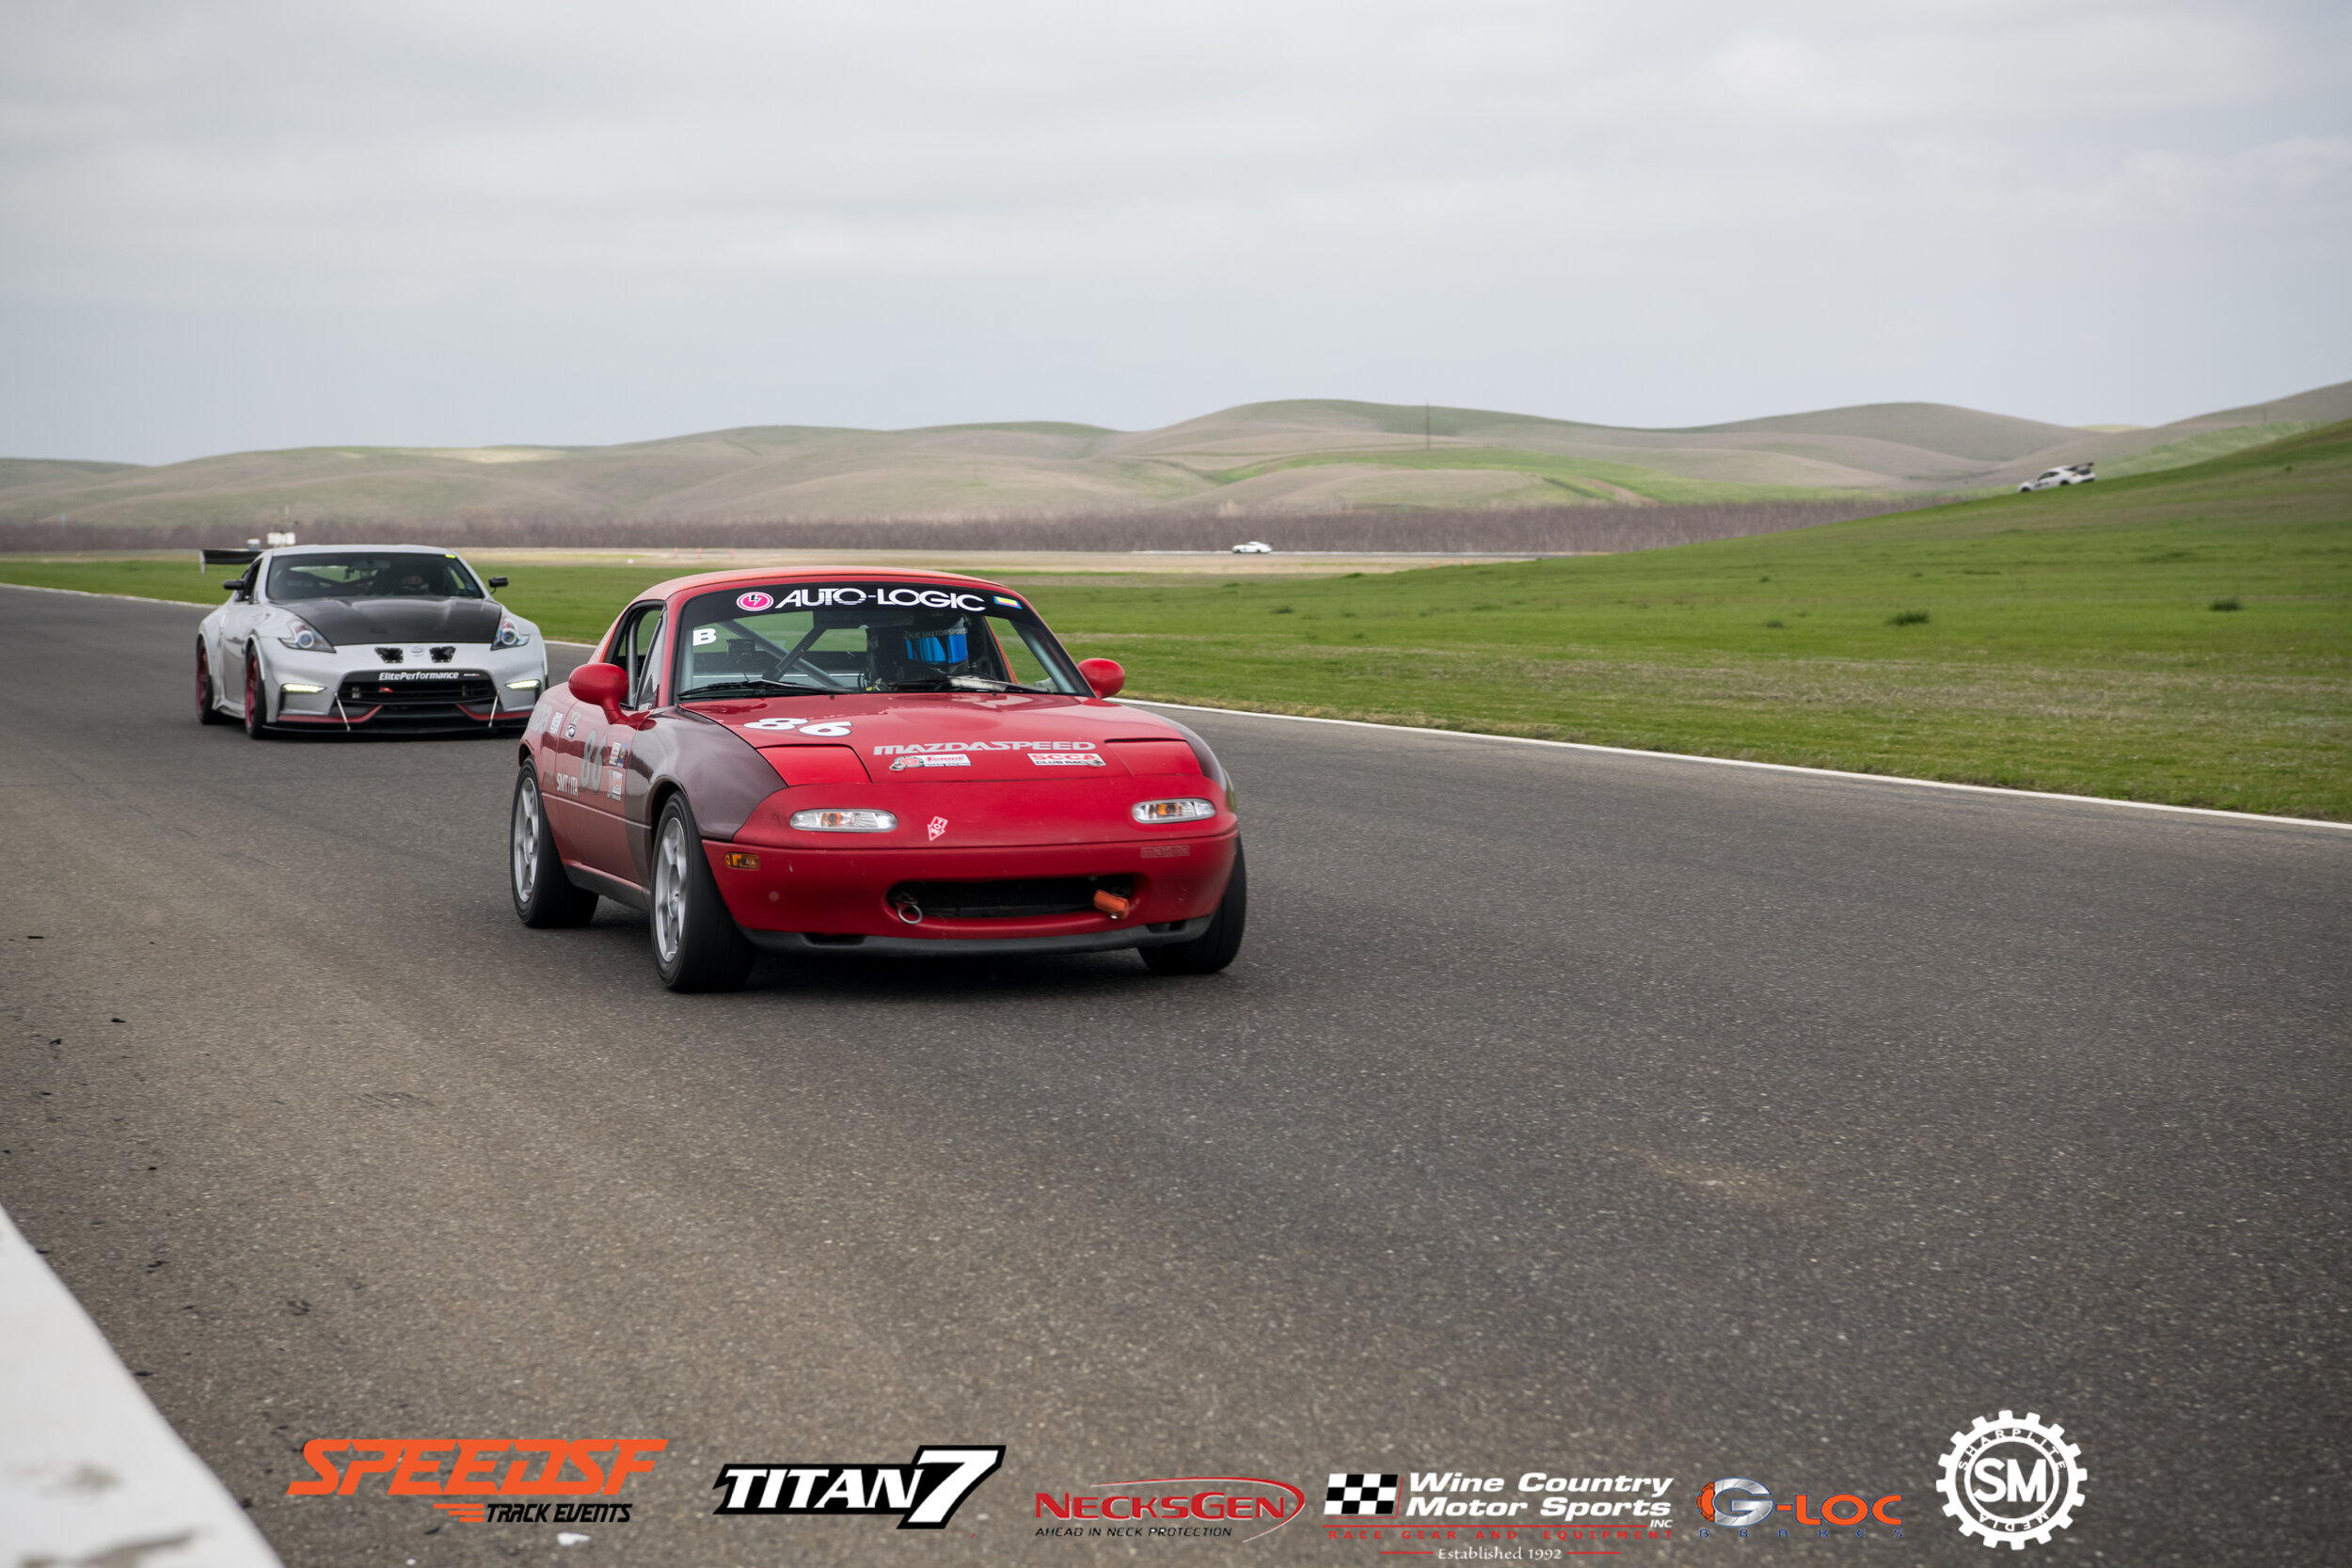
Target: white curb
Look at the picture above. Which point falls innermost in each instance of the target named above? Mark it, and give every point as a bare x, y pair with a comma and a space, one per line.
89, 1470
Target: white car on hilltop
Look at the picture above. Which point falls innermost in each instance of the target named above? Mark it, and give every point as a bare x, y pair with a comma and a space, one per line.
2052, 479
365, 637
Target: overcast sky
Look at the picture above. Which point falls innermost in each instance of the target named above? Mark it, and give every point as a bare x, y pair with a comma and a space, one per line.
244, 224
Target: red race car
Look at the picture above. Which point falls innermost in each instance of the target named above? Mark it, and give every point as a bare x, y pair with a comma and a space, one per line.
877, 762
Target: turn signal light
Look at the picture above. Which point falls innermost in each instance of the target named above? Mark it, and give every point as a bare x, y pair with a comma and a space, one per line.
737, 861
824, 820
1186, 810
300, 688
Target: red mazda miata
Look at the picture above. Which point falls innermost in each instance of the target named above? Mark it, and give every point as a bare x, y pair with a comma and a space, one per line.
877, 762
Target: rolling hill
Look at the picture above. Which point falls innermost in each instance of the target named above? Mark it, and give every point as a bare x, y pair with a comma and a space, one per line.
1301, 455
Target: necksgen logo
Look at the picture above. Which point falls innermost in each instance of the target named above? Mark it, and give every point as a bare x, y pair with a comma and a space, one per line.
1191, 1506
464, 1473
924, 1494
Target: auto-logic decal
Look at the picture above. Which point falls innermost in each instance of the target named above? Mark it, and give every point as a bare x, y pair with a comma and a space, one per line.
803, 726
462, 1474
919, 747
755, 600
1008, 604
923, 1495
897, 598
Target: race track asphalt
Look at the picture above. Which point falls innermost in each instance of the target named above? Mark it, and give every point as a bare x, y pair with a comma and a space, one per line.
1591, 1114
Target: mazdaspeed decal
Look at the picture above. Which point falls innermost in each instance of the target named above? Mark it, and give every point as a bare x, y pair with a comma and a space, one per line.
834, 727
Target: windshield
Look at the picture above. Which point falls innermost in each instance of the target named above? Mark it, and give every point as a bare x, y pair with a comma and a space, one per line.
370, 575
865, 637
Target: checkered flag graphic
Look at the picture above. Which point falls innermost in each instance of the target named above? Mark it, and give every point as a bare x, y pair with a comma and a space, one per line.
1354, 1494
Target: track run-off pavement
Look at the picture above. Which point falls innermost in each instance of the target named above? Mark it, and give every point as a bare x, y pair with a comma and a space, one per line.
1590, 1115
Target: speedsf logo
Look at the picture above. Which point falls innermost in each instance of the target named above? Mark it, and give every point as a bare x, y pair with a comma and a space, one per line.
483, 1479
922, 1495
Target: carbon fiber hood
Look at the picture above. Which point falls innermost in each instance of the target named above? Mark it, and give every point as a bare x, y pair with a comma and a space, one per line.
343, 621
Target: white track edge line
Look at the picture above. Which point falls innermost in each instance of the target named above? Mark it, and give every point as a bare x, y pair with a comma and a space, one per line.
1573, 746
1767, 767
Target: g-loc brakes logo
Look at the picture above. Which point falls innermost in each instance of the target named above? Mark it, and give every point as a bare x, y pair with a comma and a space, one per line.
924, 1494
1736, 1502
1989, 1489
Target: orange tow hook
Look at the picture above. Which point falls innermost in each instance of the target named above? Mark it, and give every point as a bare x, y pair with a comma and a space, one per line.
1113, 905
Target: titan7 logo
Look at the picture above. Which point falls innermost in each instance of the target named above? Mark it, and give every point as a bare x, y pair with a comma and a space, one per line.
924, 1494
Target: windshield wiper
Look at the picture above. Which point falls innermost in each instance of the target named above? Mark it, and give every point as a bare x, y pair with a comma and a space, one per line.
753, 684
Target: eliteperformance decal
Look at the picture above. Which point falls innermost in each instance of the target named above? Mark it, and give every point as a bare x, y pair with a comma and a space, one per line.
923, 1495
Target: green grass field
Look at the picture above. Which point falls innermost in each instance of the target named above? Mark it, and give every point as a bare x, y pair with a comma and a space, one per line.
2184, 637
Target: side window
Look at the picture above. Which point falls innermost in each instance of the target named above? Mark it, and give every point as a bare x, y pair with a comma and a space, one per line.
644, 673
633, 648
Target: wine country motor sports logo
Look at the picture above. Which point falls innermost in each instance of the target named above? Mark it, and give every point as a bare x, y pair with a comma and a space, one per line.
923, 1493
1739, 1504
1412, 1510
1172, 1507
463, 1474
2009, 1481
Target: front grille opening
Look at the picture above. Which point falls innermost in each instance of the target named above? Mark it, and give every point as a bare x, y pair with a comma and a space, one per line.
1024, 899
389, 656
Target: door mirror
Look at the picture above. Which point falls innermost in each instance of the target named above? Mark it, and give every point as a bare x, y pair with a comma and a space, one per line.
603, 685
1104, 674
497, 582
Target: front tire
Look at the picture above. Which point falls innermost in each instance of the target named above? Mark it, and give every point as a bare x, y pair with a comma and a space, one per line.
1215, 947
207, 709
544, 898
255, 697
695, 943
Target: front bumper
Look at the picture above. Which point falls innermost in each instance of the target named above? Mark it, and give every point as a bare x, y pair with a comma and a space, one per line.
833, 900
474, 691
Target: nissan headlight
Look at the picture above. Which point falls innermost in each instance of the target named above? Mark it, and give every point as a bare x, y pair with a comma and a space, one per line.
300, 634
827, 819
510, 635
1190, 809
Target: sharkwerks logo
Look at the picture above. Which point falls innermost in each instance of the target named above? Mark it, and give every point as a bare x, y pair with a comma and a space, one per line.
923, 1493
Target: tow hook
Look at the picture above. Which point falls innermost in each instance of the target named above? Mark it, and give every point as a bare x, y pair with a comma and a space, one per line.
908, 910
1113, 905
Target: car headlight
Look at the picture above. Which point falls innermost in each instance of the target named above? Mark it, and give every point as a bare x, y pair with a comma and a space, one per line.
825, 819
300, 634
1191, 809
510, 635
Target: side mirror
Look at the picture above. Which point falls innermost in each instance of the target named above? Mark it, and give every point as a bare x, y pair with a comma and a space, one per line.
604, 684
234, 584
1104, 674
497, 582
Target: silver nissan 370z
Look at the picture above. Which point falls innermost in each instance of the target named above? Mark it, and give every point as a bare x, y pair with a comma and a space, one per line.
365, 637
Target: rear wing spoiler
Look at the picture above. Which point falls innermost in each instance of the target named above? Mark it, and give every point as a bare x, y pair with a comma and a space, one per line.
228, 558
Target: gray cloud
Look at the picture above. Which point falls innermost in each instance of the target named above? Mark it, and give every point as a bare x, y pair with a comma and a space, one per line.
251, 224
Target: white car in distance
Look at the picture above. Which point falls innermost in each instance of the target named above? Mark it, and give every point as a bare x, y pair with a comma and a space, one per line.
1255, 546
2074, 473
365, 637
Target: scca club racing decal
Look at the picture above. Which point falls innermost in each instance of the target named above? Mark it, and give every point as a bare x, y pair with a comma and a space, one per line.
923, 1495
1170, 1508
496, 1481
